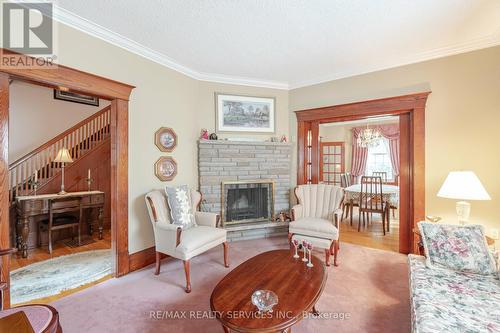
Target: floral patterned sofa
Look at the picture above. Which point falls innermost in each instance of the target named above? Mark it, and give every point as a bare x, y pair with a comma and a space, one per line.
449, 301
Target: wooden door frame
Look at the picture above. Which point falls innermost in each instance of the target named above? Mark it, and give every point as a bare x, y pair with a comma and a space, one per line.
411, 112
69, 79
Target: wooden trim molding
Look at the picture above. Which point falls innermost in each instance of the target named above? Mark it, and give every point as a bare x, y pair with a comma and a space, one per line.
69, 79
4, 184
411, 112
144, 258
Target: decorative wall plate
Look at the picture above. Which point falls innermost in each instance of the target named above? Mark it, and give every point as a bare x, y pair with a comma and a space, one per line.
166, 168
166, 139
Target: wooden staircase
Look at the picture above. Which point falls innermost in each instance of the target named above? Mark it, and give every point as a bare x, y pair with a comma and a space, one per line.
80, 140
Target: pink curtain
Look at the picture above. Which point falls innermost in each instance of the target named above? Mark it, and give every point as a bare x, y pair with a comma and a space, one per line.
360, 155
391, 133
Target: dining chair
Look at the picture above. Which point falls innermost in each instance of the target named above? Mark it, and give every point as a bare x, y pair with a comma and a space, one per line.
59, 218
381, 174
371, 200
346, 181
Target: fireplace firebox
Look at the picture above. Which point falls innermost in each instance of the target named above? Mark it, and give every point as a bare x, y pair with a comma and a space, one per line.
248, 201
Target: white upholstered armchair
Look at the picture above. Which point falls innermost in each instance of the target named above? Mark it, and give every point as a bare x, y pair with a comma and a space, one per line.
317, 217
172, 240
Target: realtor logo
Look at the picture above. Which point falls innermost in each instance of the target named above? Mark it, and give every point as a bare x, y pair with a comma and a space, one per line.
27, 29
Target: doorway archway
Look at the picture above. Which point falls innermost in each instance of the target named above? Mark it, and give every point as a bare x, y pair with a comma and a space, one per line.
411, 112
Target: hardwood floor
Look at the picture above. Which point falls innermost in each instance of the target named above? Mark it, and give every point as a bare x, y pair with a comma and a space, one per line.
59, 249
371, 236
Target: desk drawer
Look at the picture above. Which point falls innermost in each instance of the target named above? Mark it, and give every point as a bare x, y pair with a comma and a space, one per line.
34, 205
97, 199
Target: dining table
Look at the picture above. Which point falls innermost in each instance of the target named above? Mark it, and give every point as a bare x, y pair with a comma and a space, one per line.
390, 193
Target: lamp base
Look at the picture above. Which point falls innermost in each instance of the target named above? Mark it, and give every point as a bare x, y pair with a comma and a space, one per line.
463, 212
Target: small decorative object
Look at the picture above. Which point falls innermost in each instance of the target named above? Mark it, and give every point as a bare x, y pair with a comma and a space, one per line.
309, 248
63, 157
244, 114
284, 138
204, 134
89, 180
165, 139
283, 217
75, 98
213, 136
432, 218
304, 249
165, 168
463, 185
296, 245
369, 137
275, 139
264, 300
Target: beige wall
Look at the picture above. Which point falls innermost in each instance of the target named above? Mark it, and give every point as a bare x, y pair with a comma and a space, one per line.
463, 114
36, 117
206, 107
163, 97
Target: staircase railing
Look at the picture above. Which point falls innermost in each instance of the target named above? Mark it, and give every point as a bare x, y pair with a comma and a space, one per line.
78, 139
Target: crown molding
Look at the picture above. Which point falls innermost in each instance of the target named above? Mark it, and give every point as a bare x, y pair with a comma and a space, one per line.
473, 45
72, 20
77, 22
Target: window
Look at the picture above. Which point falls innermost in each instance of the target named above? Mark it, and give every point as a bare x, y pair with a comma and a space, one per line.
379, 159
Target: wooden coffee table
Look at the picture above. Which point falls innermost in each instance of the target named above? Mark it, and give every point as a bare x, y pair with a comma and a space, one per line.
298, 289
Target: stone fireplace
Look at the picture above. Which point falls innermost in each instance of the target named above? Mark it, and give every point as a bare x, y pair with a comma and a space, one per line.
254, 177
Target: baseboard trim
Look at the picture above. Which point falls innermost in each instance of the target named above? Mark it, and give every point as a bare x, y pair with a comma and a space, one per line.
143, 258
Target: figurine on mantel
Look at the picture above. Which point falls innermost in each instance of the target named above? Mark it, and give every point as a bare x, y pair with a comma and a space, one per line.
204, 134
284, 138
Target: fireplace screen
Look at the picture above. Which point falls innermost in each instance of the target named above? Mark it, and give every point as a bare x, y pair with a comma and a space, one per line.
247, 202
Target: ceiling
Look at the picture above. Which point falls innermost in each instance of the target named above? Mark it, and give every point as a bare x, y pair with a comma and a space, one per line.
287, 44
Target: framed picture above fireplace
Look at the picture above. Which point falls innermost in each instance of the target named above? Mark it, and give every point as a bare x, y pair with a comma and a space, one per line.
236, 113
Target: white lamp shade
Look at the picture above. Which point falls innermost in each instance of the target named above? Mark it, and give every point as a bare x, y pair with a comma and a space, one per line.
463, 185
64, 156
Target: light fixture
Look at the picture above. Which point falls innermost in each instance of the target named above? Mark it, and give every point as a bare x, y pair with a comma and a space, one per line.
63, 156
369, 137
463, 185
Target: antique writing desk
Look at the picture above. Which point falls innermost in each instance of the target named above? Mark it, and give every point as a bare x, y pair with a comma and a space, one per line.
28, 207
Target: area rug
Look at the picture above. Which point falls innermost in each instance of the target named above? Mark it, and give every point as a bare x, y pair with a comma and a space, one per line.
368, 292
50, 277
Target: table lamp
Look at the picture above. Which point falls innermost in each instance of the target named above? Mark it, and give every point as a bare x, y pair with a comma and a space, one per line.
63, 156
463, 185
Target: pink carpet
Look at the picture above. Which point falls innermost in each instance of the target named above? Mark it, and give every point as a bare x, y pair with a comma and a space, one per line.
370, 286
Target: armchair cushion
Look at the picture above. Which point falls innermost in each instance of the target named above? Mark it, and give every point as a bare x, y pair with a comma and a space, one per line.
206, 219
179, 201
315, 227
199, 239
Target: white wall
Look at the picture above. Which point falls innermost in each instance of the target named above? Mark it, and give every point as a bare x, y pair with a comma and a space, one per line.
35, 117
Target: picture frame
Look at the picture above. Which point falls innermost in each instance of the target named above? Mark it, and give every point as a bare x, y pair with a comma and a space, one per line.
165, 139
241, 113
166, 168
75, 98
